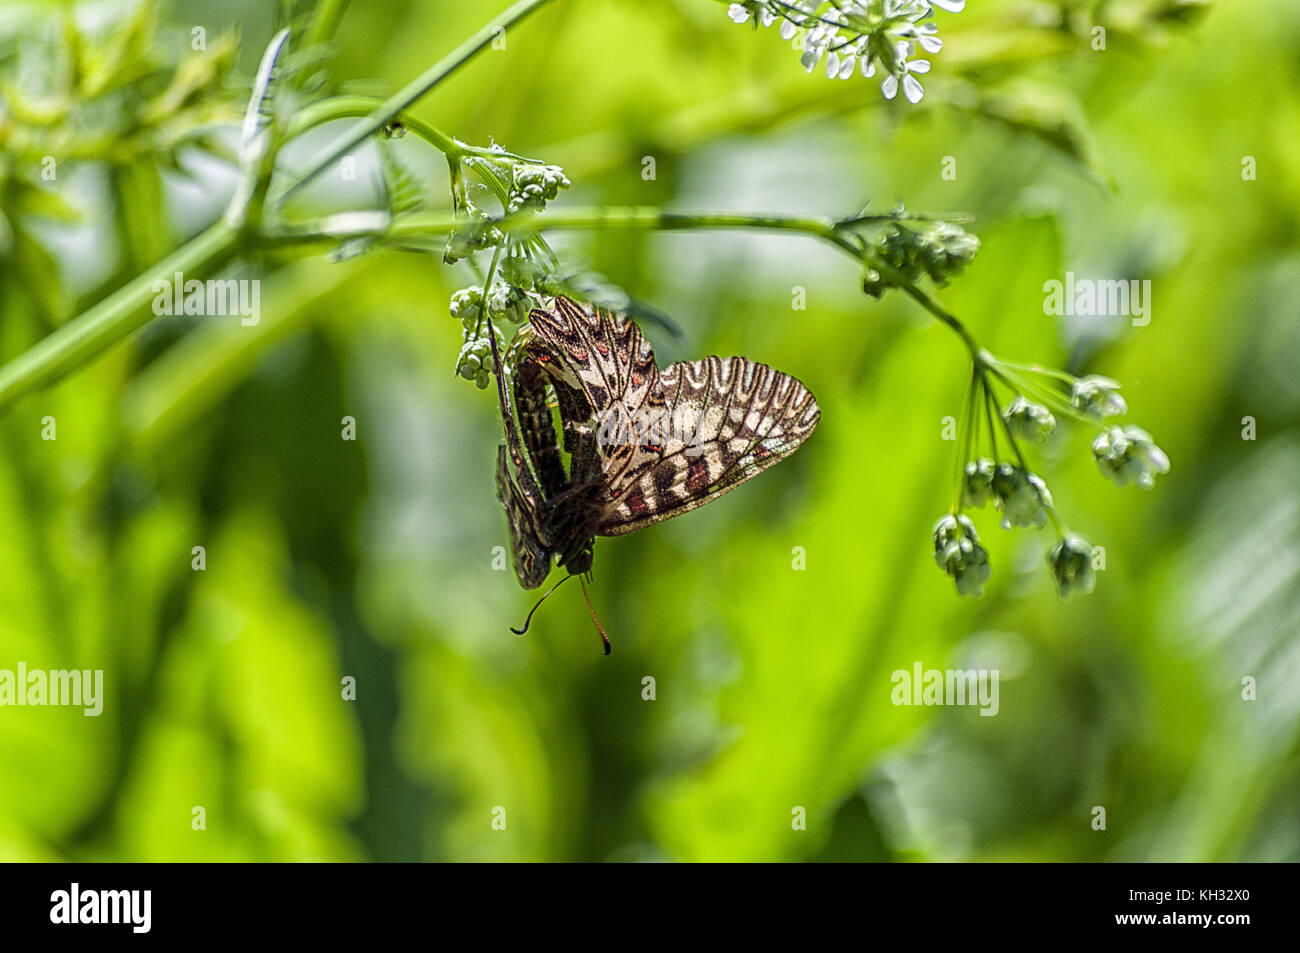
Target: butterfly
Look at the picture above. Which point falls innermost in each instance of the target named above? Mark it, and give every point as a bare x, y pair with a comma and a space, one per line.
644, 444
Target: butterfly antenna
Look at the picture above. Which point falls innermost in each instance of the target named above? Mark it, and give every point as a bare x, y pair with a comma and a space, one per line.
528, 621
599, 628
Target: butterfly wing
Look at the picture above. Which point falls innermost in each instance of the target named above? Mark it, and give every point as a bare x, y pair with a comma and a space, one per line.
675, 439
726, 420
532, 559
600, 353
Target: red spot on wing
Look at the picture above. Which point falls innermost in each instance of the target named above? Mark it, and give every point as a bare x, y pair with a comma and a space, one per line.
697, 477
636, 504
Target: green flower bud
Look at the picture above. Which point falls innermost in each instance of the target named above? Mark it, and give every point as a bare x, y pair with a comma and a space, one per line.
958, 553
1071, 565
978, 487
1029, 421
1096, 397
1022, 497
1129, 455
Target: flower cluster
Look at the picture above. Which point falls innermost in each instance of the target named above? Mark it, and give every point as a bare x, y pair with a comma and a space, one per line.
474, 233
916, 247
868, 36
1126, 454
533, 185
474, 363
467, 306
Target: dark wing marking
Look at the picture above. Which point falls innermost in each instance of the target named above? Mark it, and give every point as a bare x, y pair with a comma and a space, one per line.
602, 354
729, 420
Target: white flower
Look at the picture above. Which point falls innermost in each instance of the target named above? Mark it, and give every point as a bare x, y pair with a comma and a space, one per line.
911, 87
952, 6
926, 35
738, 12
788, 29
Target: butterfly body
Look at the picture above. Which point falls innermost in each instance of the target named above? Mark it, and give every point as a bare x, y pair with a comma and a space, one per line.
645, 444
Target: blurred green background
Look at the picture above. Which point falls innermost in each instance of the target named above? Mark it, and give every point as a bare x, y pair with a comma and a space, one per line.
373, 559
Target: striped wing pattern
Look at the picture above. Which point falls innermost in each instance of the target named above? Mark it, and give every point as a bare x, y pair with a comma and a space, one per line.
737, 417
723, 420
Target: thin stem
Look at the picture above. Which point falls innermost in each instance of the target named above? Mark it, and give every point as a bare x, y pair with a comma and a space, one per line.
355, 107
325, 21
403, 99
967, 417
113, 318
988, 411
1019, 385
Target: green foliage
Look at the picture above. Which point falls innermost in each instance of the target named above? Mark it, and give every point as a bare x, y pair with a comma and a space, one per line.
771, 621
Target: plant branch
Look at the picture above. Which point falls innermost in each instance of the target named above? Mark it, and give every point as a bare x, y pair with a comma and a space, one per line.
112, 319
414, 90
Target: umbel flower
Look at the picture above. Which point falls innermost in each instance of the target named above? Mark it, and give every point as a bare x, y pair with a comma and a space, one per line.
867, 36
1126, 454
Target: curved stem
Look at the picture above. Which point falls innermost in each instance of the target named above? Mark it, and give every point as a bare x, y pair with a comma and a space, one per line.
361, 107
414, 90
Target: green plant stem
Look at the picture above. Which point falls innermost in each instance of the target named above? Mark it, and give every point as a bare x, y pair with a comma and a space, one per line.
325, 21
427, 224
404, 98
124, 312
967, 421
112, 319
361, 107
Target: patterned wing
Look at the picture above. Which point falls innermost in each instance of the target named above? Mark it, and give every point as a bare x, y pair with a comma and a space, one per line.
532, 559
715, 423
667, 441
602, 354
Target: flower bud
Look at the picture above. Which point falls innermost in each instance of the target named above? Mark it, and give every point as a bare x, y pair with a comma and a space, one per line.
977, 488
1071, 565
1029, 421
1097, 397
1022, 497
1129, 455
958, 553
